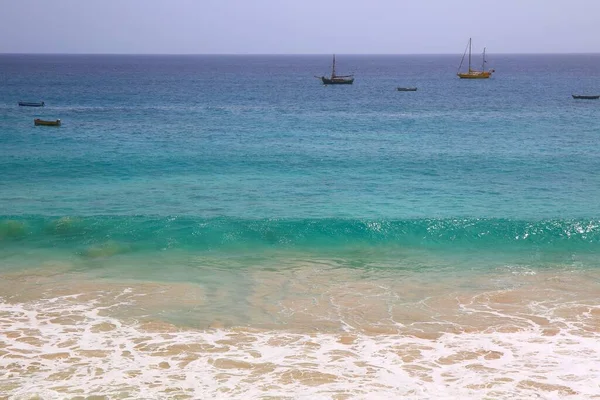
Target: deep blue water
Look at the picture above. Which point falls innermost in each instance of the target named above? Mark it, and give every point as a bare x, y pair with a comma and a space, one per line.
223, 152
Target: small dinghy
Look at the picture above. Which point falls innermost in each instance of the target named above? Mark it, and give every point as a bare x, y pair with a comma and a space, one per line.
585, 97
31, 104
407, 89
42, 122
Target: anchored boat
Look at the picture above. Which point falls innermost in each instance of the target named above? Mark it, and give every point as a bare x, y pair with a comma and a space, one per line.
473, 73
585, 97
337, 79
31, 104
407, 89
41, 122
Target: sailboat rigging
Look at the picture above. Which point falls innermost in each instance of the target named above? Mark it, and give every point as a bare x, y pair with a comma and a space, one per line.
337, 79
472, 73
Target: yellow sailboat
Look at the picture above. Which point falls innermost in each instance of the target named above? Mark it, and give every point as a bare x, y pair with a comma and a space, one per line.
473, 73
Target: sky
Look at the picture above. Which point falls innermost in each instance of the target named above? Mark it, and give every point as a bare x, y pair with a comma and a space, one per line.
298, 26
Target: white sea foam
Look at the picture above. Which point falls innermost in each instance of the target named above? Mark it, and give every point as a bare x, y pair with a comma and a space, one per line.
71, 346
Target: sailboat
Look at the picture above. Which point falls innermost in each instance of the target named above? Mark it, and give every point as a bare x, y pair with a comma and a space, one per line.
337, 79
472, 73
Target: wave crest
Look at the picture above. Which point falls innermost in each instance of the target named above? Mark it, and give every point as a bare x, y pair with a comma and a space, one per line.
183, 232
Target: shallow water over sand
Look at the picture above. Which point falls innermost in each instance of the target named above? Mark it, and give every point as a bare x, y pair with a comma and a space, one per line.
317, 332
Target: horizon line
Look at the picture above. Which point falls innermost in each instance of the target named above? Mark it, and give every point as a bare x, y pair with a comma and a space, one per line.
282, 54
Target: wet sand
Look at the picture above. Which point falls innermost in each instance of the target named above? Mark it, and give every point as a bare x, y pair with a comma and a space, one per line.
314, 332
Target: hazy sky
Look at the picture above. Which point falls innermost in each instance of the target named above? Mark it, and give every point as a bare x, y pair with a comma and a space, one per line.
298, 26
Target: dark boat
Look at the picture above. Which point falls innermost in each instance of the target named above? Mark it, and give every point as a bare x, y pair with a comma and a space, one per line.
407, 89
30, 104
42, 122
584, 97
337, 79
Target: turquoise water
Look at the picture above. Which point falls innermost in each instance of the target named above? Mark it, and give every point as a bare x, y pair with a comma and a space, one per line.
209, 152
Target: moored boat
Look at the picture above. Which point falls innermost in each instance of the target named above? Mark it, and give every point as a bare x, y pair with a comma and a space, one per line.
337, 79
31, 104
407, 89
42, 122
585, 97
473, 73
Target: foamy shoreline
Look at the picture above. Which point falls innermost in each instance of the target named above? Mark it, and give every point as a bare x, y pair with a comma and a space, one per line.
103, 338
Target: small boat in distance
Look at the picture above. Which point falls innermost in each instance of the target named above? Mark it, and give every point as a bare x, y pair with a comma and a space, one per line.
407, 89
42, 122
31, 104
336, 79
585, 97
472, 73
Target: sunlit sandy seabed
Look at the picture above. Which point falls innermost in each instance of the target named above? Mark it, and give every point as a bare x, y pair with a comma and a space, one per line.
312, 331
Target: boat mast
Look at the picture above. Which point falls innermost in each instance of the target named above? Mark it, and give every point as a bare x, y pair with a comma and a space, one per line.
462, 60
333, 69
483, 65
469, 54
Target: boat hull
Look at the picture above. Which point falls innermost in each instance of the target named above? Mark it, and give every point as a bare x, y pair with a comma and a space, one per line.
337, 81
584, 97
406, 89
475, 75
27, 104
41, 122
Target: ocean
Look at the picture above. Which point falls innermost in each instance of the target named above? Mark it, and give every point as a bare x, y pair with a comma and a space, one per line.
228, 227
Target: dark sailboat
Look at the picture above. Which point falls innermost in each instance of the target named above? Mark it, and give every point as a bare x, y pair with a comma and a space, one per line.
337, 79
